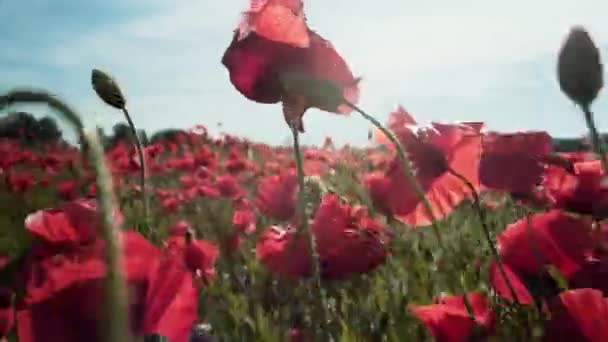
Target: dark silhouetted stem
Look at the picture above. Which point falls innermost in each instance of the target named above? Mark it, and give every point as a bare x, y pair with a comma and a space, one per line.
486, 229
116, 289
305, 226
596, 142
41, 97
117, 320
142, 163
406, 164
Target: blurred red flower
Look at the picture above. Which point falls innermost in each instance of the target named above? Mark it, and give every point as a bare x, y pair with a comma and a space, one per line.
583, 191
553, 238
578, 315
277, 195
448, 320
67, 190
63, 280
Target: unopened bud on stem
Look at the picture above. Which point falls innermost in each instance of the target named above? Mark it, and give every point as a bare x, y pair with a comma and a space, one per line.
107, 89
579, 68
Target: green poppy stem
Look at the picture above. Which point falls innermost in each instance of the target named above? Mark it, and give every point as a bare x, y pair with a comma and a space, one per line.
118, 320
481, 213
142, 169
596, 142
406, 164
305, 226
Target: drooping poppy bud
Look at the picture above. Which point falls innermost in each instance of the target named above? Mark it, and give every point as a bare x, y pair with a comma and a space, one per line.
107, 89
579, 68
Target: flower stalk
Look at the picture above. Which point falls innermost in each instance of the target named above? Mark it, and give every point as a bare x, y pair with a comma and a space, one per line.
109, 92
305, 225
481, 213
406, 164
117, 319
597, 143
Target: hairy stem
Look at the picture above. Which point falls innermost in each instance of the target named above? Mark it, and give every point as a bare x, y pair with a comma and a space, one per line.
406, 164
42, 97
481, 213
118, 319
142, 163
596, 142
305, 226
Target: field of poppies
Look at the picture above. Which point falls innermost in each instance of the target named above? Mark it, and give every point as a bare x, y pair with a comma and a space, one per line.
447, 231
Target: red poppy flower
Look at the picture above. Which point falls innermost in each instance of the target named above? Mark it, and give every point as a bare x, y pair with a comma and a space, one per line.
513, 162
278, 20
170, 205
398, 121
67, 190
243, 218
267, 71
385, 199
448, 320
358, 247
20, 183
584, 191
199, 256
560, 240
347, 242
551, 238
500, 285
63, 281
277, 195
73, 222
229, 187
578, 315
283, 252
434, 153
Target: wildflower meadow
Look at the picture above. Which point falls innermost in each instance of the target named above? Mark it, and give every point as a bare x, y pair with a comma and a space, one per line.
445, 232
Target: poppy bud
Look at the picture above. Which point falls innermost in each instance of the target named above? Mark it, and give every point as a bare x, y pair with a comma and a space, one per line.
107, 89
579, 68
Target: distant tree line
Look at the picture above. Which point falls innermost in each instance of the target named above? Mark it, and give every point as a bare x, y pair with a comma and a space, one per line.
28, 130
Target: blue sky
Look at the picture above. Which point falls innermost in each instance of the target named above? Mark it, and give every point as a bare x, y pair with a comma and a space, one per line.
442, 60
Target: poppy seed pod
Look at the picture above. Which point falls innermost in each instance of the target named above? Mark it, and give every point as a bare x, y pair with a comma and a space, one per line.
107, 89
579, 68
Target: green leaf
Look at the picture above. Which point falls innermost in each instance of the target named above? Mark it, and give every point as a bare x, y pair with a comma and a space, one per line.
559, 278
